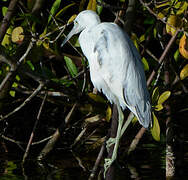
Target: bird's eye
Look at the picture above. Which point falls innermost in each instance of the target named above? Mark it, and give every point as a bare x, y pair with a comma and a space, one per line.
75, 22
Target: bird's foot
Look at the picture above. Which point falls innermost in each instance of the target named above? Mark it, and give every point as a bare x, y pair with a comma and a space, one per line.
107, 164
110, 142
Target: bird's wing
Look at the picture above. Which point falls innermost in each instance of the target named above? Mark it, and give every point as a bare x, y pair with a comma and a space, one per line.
122, 70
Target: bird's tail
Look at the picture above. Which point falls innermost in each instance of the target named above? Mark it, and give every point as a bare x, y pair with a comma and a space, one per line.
144, 115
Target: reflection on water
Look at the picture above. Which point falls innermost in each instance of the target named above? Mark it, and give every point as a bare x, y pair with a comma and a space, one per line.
147, 163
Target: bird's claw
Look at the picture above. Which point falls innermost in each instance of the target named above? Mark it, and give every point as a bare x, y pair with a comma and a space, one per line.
107, 164
110, 142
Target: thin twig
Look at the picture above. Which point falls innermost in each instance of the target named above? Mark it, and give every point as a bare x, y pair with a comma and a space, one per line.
37, 90
98, 160
164, 54
6, 20
33, 131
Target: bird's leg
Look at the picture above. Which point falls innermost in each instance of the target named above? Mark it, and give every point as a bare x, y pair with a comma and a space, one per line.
111, 141
109, 161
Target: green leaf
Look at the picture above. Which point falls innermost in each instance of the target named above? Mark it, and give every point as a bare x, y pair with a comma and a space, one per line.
177, 55
54, 9
155, 95
14, 85
4, 10
31, 65
96, 98
163, 97
71, 66
155, 130
142, 38
64, 9
145, 63
99, 8
158, 107
17, 78
12, 93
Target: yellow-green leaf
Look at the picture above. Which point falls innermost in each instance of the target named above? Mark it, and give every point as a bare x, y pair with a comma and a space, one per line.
17, 35
142, 38
108, 114
155, 95
64, 9
158, 107
134, 120
163, 97
92, 5
96, 98
4, 10
7, 37
12, 93
184, 72
14, 85
181, 6
71, 66
71, 19
155, 130
54, 9
145, 63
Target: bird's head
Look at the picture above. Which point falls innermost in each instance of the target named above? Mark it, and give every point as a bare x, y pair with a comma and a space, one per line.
85, 19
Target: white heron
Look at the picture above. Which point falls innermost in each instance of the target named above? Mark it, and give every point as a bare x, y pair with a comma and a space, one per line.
115, 69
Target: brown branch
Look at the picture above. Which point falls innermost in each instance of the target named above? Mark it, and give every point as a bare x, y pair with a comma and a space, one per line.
98, 160
164, 54
33, 131
6, 20
49, 146
24, 103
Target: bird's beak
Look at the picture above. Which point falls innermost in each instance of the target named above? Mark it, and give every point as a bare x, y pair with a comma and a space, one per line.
72, 32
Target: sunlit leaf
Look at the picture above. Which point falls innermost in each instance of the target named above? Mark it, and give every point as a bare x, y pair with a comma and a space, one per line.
155, 95
17, 78
142, 38
4, 10
71, 66
15, 85
145, 63
17, 35
71, 19
164, 4
183, 46
155, 130
174, 22
54, 9
163, 97
31, 65
12, 93
134, 120
92, 5
184, 72
181, 6
158, 107
7, 37
108, 114
96, 97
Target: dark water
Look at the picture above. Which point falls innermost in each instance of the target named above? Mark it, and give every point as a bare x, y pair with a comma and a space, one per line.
147, 162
